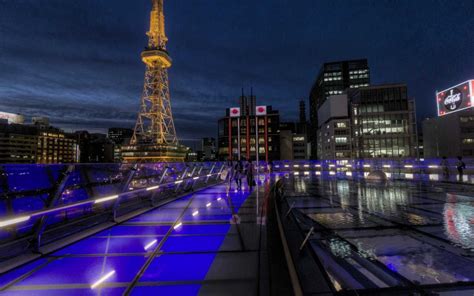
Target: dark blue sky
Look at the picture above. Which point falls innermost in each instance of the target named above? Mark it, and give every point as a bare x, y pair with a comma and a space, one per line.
78, 61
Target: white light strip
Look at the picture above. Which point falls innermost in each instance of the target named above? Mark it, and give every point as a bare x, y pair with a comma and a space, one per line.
219, 199
209, 175
152, 188
195, 178
306, 165
103, 279
178, 225
14, 221
105, 199
179, 182
150, 244
296, 166
408, 166
387, 166
208, 204
195, 213
433, 166
366, 165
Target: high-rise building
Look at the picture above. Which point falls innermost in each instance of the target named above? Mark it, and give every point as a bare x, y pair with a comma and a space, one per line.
383, 122
18, 143
333, 79
209, 149
120, 137
154, 137
293, 143
236, 125
334, 129
55, 146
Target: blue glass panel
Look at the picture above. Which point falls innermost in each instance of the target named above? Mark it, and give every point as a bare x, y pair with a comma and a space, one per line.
86, 270
26, 177
188, 290
159, 215
223, 218
135, 230
69, 292
18, 272
179, 267
193, 243
96, 245
202, 229
29, 203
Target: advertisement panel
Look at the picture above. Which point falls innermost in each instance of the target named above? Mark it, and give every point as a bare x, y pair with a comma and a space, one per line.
456, 98
12, 118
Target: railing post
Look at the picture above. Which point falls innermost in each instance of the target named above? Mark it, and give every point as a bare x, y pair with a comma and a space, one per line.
210, 172
162, 179
182, 178
124, 188
58, 191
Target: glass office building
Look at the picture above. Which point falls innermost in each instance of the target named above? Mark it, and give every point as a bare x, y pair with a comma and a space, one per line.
383, 122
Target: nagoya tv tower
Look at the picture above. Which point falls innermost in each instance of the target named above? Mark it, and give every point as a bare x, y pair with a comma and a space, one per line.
154, 139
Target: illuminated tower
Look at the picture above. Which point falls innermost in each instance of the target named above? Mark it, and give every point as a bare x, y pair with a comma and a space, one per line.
154, 137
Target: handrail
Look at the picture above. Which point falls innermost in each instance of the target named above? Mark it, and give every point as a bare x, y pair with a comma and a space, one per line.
97, 200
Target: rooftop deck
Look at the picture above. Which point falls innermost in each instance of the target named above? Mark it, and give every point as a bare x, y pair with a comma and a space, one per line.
174, 230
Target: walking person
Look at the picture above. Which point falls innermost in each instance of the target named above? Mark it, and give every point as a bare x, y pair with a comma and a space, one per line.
461, 166
250, 180
445, 168
230, 175
238, 174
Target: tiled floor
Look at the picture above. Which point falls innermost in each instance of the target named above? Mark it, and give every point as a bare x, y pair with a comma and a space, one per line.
191, 246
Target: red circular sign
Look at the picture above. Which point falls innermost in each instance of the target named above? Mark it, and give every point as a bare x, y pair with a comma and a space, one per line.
261, 109
235, 111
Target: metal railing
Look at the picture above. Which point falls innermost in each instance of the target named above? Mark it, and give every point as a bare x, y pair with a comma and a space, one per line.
43, 203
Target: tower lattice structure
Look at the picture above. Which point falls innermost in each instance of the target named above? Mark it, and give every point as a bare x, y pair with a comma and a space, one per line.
154, 138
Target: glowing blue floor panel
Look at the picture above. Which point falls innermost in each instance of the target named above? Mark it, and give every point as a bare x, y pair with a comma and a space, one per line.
166, 251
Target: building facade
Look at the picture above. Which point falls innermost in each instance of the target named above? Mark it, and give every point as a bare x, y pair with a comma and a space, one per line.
334, 79
18, 143
120, 137
41, 144
209, 149
334, 129
248, 126
293, 141
55, 146
383, 122
451, 135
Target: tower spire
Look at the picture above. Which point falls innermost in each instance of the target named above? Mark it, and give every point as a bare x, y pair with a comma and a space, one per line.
154, 138
156, 35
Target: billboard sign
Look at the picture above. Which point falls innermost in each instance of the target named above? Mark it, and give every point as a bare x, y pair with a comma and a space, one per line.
12, 118
456, 98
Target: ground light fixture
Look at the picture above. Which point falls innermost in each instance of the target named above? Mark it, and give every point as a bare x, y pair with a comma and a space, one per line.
102, 279
151, 244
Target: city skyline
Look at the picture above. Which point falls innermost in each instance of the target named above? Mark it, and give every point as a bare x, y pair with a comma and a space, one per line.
71, 63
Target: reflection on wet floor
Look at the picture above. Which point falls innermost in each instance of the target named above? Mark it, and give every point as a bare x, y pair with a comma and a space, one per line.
387, 235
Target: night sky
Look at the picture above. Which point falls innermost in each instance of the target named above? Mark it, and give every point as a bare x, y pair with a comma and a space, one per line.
77, 61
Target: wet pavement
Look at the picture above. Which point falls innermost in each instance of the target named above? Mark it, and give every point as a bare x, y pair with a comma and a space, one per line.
416, 235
